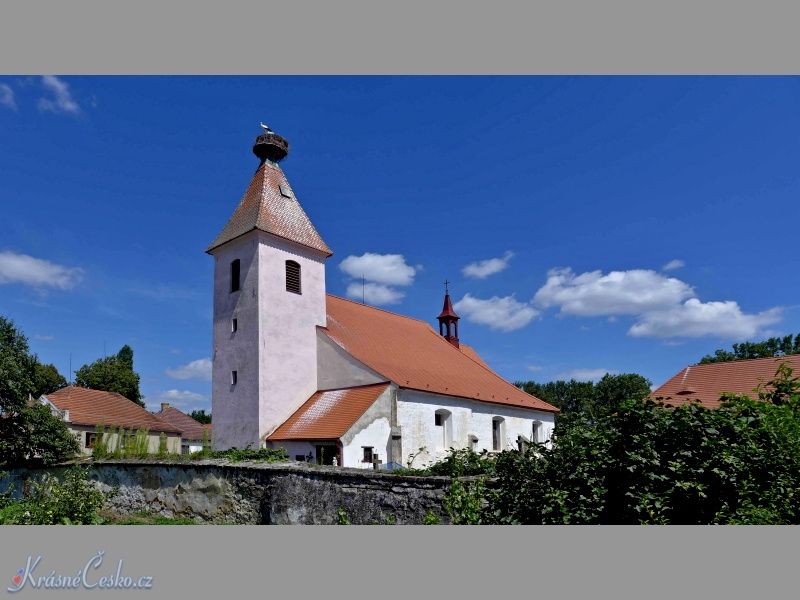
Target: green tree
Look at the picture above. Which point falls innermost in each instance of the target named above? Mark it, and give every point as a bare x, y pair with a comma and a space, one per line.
29, 432
48, 380
200, 416
774, 346
112, 374
650, 463
612, 390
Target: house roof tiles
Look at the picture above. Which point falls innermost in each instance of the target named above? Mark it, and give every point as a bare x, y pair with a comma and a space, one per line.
90, 407
706, 382
192, 430
327, 415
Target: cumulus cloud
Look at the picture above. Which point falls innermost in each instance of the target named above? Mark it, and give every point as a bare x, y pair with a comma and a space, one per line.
184, 401
662, 306
697, 319
374, 293
7, 97
197, 369
484, 268
585, 374
673, 264
388, 269
36, 272
618, 293
504, 314
60, 99
380, 272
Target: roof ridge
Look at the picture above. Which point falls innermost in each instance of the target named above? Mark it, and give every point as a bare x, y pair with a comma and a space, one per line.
382, 310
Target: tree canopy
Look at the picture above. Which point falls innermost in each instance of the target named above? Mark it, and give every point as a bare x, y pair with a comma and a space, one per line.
774, 346
574, 397
200, 416
112, 374
29, 432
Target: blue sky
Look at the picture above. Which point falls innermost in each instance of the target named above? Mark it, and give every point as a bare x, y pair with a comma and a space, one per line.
586, 224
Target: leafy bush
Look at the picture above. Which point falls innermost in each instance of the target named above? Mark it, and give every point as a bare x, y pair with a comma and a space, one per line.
268, 455
650, 463
50, 501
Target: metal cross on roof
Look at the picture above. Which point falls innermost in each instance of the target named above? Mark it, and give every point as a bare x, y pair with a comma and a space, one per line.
445, 285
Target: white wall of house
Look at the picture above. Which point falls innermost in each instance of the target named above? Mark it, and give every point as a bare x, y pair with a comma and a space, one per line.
274, 350
153, 437
416, 415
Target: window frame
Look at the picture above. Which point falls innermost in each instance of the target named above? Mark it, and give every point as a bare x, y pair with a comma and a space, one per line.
295, 276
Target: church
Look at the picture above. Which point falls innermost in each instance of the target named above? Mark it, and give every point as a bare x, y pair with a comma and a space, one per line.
332, 380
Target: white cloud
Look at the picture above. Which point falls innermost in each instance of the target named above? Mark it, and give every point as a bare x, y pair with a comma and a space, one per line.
36, 272
184, 401
585, 374
197, 369
618, 293
534, 368
662, 306
44, 337
7, 97
484, 268
697, 319
388, 269
374, 293
673, 264
505, 314
61, 100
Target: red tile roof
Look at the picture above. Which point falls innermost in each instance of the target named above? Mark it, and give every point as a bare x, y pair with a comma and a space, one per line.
707, 382
328, 415
192, 430
266, 208
89, 407
410, 353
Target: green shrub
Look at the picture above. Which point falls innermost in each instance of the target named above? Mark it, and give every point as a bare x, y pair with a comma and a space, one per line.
71, 501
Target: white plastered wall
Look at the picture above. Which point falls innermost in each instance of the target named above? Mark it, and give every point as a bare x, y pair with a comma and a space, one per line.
416, 416
274, 350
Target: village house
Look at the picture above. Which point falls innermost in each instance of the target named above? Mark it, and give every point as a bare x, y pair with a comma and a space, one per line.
83, 410
706, 383
332, 380
194, 435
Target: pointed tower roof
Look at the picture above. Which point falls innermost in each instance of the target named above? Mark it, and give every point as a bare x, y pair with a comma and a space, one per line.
269, 204
447, 310
448, 319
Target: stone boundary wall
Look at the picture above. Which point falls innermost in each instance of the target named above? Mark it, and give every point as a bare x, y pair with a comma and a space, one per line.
217, 491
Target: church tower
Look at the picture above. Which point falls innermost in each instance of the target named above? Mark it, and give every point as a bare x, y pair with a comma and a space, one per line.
269, 297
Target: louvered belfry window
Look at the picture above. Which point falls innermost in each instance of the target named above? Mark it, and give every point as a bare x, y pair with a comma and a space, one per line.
292, 277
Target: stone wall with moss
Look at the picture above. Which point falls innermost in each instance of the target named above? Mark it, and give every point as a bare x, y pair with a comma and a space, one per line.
216, 491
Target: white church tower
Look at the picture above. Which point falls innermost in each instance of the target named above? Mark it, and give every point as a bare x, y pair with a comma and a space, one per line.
269, 297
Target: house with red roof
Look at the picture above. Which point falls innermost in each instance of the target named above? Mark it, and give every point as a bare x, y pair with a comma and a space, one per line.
83, 410
330, 379
194, 436
707, 382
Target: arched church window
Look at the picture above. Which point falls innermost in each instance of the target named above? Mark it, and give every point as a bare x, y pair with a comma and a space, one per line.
293, 277
235, 271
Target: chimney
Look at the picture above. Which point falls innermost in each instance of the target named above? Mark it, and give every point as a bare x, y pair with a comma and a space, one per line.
164, 406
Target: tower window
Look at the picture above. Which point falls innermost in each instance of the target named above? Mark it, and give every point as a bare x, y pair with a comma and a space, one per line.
234, 325
235, 270
292, 277
234, 377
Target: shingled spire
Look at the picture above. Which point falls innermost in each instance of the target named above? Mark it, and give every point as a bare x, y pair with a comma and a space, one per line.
449, 319
269, 204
